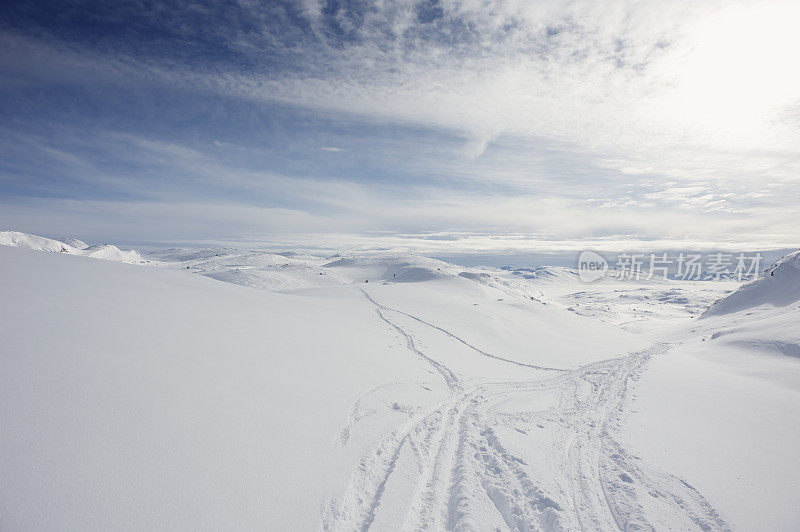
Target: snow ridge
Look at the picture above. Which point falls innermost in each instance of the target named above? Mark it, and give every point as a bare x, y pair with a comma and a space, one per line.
778, 286
71, 246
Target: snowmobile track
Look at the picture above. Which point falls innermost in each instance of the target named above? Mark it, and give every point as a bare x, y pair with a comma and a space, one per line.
464, 478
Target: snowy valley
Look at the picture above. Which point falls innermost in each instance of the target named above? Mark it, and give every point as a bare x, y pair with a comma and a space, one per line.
223, 388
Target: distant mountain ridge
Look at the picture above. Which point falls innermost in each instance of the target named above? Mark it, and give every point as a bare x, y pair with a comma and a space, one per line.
72, 246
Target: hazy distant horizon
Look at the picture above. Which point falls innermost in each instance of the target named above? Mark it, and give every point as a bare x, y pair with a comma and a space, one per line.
462, 250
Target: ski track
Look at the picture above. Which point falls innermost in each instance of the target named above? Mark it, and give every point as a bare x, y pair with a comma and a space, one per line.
466, 479
459, 339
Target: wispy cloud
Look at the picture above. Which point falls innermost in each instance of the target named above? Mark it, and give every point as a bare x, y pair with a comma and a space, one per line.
565, 119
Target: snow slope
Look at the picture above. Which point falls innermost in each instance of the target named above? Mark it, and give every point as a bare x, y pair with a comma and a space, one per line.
433, 396
140, 398
154, 398
778, 286
723, 410
761, 317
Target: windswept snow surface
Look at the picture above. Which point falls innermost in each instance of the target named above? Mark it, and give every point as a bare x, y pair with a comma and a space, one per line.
387, 392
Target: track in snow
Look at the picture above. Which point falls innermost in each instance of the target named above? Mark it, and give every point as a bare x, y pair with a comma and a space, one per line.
447, 467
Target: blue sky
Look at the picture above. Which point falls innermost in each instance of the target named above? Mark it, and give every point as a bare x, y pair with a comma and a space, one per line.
563, 121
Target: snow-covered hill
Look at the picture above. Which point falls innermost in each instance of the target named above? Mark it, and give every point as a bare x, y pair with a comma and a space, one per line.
778, 286
761, 316
385, 392
71, 246
74, 242
38, 243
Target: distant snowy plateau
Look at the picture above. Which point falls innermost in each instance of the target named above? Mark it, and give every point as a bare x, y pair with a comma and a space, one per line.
221, 388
